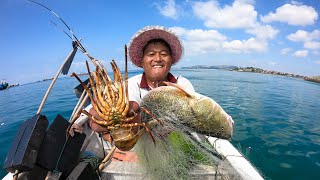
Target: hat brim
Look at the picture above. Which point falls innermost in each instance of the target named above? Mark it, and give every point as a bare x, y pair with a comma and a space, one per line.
140, 40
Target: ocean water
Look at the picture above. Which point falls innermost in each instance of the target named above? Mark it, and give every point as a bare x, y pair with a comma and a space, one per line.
277, 119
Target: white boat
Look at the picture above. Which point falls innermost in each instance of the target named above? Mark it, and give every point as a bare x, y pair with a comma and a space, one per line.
121, 170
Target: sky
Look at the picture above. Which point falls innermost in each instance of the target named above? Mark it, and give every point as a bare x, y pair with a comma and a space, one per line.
278, 35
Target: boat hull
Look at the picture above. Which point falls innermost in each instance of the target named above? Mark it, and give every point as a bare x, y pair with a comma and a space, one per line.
240, 167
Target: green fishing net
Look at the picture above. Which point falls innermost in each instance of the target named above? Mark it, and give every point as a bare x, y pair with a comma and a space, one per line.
176, 154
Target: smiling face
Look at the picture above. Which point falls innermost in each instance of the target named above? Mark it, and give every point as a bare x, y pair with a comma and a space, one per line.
156, 62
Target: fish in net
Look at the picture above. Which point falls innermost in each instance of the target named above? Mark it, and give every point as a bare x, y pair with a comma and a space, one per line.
177, 153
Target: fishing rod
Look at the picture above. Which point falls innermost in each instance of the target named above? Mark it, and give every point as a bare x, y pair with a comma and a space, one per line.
64, 69
76, 45
73, 36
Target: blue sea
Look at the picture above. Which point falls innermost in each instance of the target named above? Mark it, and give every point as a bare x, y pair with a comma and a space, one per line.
277, 119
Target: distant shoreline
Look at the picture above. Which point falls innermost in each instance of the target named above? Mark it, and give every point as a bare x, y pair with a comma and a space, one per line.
255, 70
315, 79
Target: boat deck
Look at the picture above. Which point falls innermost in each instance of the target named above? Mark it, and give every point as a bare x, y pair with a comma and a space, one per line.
234, 166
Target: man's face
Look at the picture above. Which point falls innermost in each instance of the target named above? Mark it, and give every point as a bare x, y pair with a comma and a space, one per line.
156, 61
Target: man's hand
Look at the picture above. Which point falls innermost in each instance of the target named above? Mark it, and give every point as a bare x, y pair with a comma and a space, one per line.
75, 128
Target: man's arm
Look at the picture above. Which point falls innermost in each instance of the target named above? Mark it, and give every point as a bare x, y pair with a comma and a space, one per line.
77, 125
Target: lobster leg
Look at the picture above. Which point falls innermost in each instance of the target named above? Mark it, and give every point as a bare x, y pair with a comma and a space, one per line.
141, 124
96, 119
149, 113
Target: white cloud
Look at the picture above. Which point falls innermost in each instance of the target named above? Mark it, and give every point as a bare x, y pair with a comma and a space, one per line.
240, 15
317, 62
78, 67
286, 51
249, 45
312, 45
203, 35
199, 41
169, 10
296, 3
304, 36
235, 46
293, 14
178, 30
299, 35
198, 34
300, 53
201, 47
263, 32
315, 52
272, 63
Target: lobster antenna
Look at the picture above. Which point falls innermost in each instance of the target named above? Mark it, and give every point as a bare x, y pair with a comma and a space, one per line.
126, 70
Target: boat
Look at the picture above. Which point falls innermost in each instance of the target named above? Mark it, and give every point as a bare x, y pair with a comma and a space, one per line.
3, 84
122, 170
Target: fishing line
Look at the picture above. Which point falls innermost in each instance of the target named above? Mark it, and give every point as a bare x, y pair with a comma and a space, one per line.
242, 148
104, 153
61, 29
73, 37
211, 151
55, 15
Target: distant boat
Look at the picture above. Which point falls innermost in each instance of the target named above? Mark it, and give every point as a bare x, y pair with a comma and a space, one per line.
3, 84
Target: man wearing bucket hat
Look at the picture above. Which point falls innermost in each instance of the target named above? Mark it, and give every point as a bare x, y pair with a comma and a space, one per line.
155, 49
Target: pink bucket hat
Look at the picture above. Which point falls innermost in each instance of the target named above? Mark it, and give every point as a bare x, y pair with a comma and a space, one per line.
142, 37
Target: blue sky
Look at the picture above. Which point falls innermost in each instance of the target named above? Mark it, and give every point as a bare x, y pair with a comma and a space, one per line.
275, 34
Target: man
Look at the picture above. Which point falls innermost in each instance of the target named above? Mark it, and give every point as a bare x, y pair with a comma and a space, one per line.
155, 49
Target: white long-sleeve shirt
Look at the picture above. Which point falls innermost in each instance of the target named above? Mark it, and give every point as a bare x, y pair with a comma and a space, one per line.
138, 87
